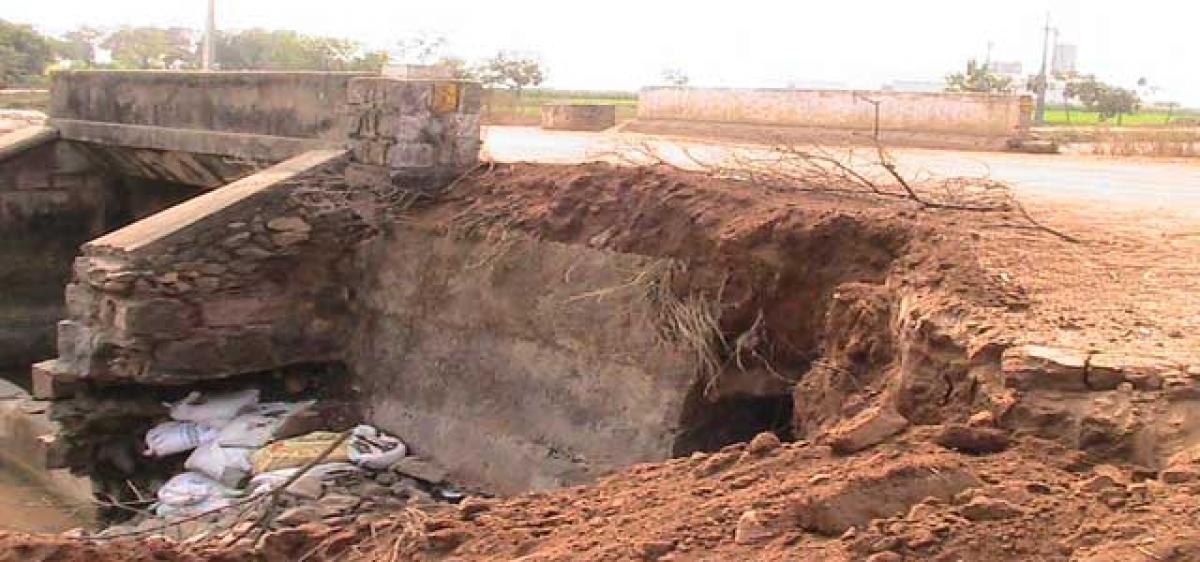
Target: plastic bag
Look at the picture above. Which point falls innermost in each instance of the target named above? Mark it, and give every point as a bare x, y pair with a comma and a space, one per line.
190, 493
227, 465
215, 410
310, 485
298, 451
374, 449
258, 425
169, 438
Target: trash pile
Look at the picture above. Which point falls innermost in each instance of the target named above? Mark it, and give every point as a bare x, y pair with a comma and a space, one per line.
239, 448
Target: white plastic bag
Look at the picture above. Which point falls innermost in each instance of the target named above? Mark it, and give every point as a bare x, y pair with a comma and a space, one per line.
310, 485
257, 426
169, 438
375, 450
227, 465
190, 493
215, 410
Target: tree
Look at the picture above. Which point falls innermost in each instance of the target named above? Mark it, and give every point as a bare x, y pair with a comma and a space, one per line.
261, 49
1107, 100
152, 47
978, 78
421, 49
676, 77
24, 53
458, 68
80, 45
511, 71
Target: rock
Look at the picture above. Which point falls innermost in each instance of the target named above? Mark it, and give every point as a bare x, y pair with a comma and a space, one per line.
1097, 483
288, 224
1179, 474
983, 508
420, 469
885, 556
763, 443
471, 506
982, 419
334, 505
1107, 370
715, 463
1029, 367
653, 550
386, 478
818, 479
973, 440
887, 489
447, 539
752, 527
868, 428
285, 239
298, 516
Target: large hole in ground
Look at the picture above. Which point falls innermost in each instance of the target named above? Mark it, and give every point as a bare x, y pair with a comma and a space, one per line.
708, 426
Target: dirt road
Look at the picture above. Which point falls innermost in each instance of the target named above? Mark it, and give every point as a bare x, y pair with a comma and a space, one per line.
1164, 189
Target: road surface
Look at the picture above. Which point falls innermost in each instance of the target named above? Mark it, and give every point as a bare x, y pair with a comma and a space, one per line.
1162, 189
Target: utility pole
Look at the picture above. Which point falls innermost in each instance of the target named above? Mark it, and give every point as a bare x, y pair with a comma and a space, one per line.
1039, 114
206, 49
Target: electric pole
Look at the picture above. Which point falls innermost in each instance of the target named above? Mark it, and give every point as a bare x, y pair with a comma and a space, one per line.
206, 48
1039, 114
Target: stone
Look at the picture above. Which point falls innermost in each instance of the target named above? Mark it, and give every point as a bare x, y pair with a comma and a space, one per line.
752, 527
982, 419
1029, 367
973, 440
402, 128
288, 224
885, 556
1107, 370
411, 155
367, 176
1179, 474
763, 444
334, 505
159, 317
285, 239
1097, 483
254, 253
236, 240
421, 469
51, 382
870, 427
298, 516
714, 464
471, 506
653, 550
983, 508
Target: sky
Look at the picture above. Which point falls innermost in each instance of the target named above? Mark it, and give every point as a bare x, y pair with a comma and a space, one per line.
626, 44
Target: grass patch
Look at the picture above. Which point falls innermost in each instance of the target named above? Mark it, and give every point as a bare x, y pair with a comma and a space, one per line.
503, 107
1060, 116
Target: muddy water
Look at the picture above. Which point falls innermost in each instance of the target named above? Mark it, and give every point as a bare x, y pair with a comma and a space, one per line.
26, 506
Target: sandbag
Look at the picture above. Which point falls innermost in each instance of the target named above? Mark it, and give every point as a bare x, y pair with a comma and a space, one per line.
213, 410
375, 450
298, 451
227, 465
258, 425
310, 485
172, 437
190, 493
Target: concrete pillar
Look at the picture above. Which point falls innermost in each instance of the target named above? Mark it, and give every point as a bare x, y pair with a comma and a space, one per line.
412, 134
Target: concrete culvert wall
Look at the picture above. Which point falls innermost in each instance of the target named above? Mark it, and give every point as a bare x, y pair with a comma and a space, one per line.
578, 117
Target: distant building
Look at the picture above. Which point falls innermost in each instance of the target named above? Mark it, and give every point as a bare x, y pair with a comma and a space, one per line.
1064, 59
1012, 69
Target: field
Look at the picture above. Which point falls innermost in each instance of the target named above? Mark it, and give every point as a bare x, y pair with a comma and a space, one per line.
1058, 115
502, 107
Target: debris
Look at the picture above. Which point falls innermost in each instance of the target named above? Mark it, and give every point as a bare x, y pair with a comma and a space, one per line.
752, 527
983, 508
295, 452
190, 492
421, 469
868, 428
973, 440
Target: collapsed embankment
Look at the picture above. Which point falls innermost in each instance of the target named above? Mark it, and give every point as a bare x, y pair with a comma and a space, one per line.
862, 330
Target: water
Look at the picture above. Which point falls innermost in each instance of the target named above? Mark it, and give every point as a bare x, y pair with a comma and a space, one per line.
26, 506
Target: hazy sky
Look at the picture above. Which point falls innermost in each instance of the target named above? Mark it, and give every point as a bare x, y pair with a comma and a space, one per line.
627, 43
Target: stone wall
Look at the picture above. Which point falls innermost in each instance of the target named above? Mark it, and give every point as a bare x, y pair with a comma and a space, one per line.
240, 279
986, 115
519, 364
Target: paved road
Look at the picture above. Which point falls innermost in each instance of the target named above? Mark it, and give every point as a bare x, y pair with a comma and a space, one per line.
1166, 189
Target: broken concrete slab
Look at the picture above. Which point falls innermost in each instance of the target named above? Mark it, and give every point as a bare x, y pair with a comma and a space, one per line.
1028, 367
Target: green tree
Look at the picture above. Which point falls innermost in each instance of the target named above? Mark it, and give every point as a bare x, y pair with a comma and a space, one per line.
510, 71
79, 45
261, 49
1107, 100
458, 68
152, 47
978, 78
24, 54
